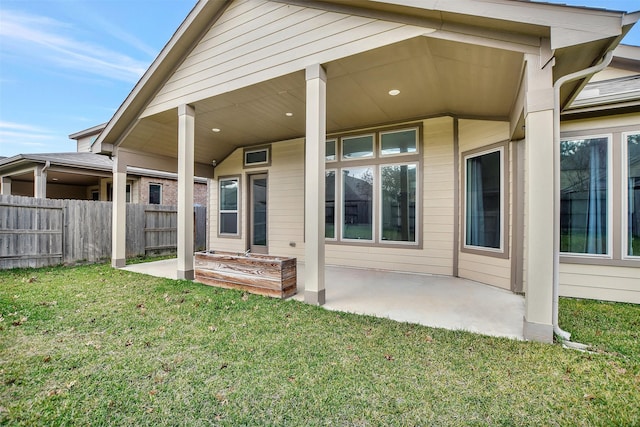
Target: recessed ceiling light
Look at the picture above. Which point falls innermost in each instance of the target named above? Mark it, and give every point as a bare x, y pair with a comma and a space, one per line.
288, 114
54, 179
394, 92
215, 130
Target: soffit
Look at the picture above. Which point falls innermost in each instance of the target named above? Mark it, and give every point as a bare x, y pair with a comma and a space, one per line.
434, 76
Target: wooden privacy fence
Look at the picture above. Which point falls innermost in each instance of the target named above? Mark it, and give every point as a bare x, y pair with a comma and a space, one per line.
42, 232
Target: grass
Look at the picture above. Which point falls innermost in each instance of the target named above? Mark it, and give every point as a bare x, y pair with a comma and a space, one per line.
92, 345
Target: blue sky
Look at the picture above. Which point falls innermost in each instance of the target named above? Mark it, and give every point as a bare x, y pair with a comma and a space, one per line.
67, 65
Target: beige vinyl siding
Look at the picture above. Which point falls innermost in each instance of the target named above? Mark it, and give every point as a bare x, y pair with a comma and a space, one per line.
600, 282
225, 169
475, 134
286, 208
286, 199
598, 123
255, 41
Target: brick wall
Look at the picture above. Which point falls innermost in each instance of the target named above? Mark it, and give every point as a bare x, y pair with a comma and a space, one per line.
170, 191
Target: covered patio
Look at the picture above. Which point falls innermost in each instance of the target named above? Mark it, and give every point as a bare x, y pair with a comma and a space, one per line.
430, 300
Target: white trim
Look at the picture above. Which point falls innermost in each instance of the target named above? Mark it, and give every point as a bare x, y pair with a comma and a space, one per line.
500, 249
625, 197
373, 201
335, 150
265, 162
233, 211
416, 139
336, 202
379, 190
609, 254
373, 147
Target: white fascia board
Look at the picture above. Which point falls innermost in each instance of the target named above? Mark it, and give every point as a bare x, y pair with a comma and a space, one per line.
566, 30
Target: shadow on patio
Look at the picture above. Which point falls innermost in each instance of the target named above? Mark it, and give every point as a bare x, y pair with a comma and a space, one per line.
437, 301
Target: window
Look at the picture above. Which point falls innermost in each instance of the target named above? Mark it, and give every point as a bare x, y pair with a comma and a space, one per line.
484, 183
398, 142
155, 194
228, 222
632, 145
357, 147
330, 204
257, 156
371, 191
584, 196
398, 206
357, 203
330, 150
110, 193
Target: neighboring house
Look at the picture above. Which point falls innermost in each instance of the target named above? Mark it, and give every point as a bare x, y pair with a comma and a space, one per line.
88, 176
397, 135
600, 185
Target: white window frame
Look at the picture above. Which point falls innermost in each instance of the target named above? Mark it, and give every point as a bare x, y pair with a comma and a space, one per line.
374, 200
417, 139
354, 136
501, 249
625, 196
337, 207
610, 172
335, 150
266, 162
416, 242
236, 211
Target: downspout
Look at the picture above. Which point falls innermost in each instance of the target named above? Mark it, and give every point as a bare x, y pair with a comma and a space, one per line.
606, 60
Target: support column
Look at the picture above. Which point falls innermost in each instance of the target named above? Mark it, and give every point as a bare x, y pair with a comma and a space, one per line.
538, 323
6, 185
186, 142
314, 203
119, 207
102, 191
40, 182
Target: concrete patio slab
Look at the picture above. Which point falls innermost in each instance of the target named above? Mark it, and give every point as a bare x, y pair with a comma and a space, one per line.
437, 301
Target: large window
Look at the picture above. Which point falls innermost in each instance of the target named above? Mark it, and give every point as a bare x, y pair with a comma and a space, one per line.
357, 203
584, 196
484, 198
372, 194
632, 142
330, 204
228, 221
399, 188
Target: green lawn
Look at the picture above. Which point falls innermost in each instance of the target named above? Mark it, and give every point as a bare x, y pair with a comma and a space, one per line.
94, 346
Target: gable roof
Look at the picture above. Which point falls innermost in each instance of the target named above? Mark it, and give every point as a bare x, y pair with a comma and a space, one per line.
616, 95
567, 27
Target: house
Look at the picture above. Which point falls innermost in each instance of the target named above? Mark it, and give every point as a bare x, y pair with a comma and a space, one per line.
600, 185
83, 175
403, 135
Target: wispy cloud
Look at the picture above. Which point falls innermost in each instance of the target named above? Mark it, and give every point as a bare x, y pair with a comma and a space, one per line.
49, 40
18, 134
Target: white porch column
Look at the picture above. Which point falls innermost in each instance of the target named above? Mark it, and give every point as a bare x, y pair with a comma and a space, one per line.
119, 212
314, 292
186, 142
6, 185
538, 322
40, 182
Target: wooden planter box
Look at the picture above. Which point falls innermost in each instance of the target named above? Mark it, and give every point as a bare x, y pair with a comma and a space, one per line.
258, 274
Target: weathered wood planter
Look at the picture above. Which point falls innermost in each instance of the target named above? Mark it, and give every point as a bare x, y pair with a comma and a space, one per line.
259, 274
